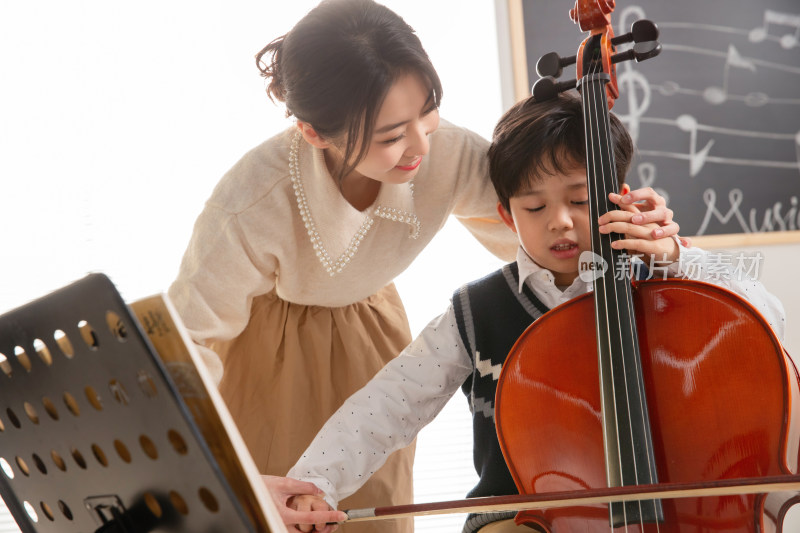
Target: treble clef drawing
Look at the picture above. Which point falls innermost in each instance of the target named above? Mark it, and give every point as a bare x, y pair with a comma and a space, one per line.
632, 82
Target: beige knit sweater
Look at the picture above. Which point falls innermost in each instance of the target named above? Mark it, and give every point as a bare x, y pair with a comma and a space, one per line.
265, 227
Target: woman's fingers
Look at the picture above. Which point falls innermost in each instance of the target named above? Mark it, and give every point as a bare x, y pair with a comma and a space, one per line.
317, 520
651, 206
301, 505
289, 486
623, 221
645, 196
324, 517
659, 215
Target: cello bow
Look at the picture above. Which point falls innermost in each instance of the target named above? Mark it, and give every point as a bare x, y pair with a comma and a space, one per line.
549, 500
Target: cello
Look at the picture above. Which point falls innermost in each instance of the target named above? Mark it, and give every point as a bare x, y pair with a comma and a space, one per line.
678, 381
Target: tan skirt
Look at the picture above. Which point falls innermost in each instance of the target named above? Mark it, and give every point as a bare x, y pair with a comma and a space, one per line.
291, 369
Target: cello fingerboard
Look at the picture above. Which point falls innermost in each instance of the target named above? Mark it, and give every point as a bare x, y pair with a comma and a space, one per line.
630, 459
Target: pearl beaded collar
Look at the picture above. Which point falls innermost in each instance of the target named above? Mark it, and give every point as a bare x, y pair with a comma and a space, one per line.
331, 266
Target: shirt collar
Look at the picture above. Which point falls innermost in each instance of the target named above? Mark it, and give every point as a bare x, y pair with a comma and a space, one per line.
529, 269
542, 282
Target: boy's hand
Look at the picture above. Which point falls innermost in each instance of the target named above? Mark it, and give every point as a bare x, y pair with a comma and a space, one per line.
301, 506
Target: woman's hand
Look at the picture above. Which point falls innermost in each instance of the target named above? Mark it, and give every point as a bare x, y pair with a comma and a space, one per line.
650, 208
301, 506
644, 232
647, 209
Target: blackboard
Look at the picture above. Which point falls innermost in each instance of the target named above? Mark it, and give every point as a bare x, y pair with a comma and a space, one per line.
715, 117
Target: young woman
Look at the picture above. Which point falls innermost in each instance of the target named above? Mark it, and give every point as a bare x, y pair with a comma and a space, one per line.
286, 284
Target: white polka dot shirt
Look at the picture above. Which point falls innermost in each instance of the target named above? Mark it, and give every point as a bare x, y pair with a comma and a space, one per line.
409, 392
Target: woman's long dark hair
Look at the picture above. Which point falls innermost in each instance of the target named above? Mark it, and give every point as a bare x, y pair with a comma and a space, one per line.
335, 67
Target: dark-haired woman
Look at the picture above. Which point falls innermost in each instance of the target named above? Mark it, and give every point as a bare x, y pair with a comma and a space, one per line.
286, 284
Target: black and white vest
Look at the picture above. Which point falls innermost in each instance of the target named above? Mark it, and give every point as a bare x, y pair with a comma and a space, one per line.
491, 314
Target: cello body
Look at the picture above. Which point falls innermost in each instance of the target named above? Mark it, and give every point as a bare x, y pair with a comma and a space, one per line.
722, 398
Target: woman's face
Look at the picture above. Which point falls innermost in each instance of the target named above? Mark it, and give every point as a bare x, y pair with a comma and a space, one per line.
400, 138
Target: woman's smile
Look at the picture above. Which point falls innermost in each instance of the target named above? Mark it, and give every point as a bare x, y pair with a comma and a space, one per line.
414, 164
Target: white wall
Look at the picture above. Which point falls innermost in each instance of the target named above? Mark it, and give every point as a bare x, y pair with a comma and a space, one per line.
117, 119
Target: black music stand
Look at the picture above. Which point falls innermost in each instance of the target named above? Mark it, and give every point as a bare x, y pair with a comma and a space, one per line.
95, 434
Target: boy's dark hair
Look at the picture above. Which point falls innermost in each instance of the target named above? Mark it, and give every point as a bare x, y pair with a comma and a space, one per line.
533, 139
336, 65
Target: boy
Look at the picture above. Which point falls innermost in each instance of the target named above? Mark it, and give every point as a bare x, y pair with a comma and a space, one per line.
537, 166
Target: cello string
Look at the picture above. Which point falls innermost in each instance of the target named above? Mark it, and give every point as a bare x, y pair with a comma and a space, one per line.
605, 185
608, 185
596, 191
601, 315
597, 91
638, 373
590, 128
640, 395
598, 311
627, 337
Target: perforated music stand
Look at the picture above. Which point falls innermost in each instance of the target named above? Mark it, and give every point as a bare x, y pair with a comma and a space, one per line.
96, 431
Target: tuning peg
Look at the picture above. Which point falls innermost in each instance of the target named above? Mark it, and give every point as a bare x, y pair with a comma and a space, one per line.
552, 64
639, 52
641, 31
546, 88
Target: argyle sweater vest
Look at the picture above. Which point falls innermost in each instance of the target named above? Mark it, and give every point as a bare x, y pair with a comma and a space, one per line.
491, 314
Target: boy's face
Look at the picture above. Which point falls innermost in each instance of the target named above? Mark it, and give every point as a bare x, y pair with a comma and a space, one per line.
551, 220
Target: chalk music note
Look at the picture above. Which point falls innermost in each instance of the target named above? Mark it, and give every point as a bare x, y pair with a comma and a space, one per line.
634, 85
788, 40
696, 159
718, 95
797, 148
647, 178
770, 218
735, 197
